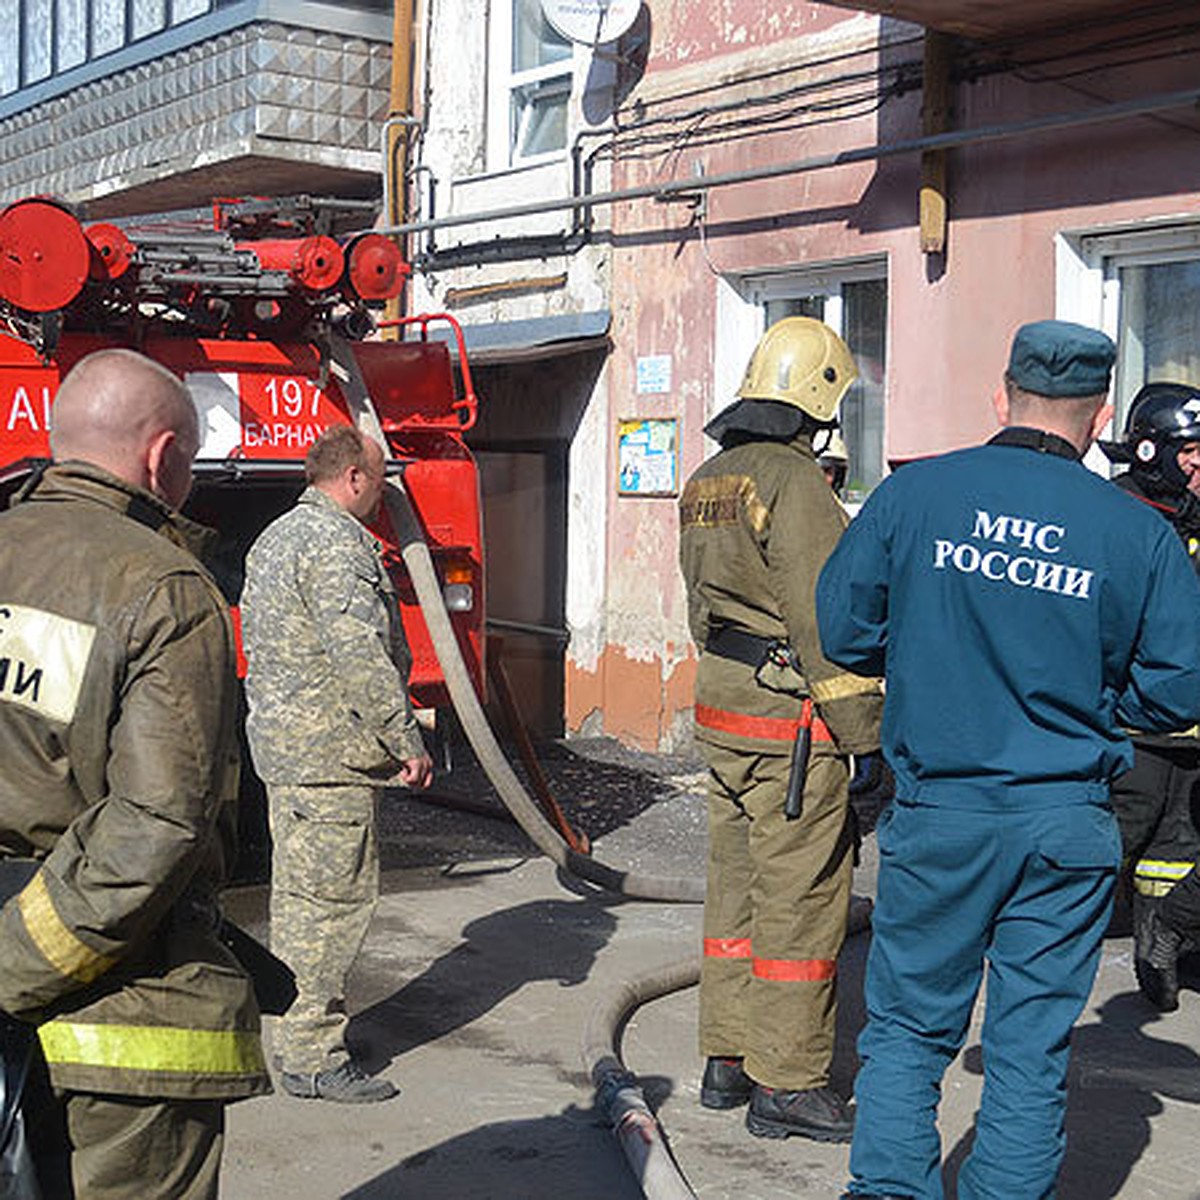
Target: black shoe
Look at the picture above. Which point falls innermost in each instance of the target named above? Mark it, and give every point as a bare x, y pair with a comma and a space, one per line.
347, 1084
817, 1113
725, 1083
1157, 962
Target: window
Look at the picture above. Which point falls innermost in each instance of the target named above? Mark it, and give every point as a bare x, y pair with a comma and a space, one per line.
531, 65
851, 300
1142, 287
55, 35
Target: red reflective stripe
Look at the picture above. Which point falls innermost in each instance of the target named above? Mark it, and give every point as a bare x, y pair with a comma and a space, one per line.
795, 970
726, 947
777, 729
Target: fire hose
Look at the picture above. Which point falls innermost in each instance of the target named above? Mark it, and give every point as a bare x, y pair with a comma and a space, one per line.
417, 559
617, 1093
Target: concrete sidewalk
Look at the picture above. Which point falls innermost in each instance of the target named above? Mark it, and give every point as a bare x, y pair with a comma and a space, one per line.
473, 993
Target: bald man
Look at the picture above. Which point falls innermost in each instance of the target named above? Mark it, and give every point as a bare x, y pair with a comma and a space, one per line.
118, 775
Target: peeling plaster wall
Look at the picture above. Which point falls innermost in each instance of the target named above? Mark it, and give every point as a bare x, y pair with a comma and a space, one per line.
949, 323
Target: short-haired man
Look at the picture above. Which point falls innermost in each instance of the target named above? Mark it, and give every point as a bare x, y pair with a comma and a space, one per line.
118, 776
330, 726
1024, 611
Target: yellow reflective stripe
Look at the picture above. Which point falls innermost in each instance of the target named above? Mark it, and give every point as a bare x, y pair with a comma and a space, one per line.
153, 1048
1153, 887
1155, 868
62, 949
842, 687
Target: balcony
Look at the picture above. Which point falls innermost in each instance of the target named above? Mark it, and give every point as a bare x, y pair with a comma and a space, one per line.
258, 96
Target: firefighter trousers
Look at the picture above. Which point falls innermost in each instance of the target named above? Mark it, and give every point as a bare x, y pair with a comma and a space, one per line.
105, 1147
774, 915
1158, 804
324, 887
1029, 892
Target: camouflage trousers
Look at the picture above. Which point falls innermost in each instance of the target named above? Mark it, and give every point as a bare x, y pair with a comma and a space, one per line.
774, 915
324, 887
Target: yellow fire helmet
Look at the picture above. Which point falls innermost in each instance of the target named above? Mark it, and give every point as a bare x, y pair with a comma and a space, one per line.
802, 362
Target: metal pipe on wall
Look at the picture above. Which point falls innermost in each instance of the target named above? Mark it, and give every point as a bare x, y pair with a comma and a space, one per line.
943, 141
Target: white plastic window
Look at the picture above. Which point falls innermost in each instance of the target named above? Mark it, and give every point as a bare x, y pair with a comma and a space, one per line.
852, 300
1145, 293
530, 75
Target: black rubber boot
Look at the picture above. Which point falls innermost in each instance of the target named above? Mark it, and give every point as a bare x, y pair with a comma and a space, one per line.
347, 1084
1157, 948
816, 1113
725, 1083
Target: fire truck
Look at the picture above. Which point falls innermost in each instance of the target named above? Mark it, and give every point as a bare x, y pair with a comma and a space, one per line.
269, 318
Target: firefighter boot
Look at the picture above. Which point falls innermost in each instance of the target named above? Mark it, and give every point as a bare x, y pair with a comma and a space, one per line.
725, 1083
816, 1113
346, 1084
1156, 961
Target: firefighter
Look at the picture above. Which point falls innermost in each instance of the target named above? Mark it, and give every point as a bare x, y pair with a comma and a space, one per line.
757, 522
1024, 610
1158, 801
118, 777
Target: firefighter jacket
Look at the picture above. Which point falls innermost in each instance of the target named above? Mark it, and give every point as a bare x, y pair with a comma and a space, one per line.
1025, 610
1184, 516
328, 662
757, 521
118, 775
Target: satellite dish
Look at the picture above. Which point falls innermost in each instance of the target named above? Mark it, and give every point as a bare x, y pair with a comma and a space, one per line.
591, 21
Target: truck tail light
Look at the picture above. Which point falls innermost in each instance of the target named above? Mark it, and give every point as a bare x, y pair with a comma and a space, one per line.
458, 587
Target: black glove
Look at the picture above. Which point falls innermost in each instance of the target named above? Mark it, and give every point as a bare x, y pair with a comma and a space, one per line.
868, 773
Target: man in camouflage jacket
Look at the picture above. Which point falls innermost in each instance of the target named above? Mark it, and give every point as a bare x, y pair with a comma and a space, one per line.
330, 725
118, 775
757, 523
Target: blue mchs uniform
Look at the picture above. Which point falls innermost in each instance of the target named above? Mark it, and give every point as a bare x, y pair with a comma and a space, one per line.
1023, 611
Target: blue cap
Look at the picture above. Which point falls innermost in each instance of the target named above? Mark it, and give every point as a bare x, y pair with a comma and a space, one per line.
1060, 358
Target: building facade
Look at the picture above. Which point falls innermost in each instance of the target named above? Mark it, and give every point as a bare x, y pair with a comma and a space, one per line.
616, 220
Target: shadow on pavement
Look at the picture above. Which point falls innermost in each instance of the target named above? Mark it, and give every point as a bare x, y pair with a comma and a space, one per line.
1118, 1076
570, 1155
500, 953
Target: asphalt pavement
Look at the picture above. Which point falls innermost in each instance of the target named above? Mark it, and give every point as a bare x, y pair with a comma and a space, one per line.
484, 966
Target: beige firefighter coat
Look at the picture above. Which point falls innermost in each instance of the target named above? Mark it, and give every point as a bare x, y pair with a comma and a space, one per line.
118, 773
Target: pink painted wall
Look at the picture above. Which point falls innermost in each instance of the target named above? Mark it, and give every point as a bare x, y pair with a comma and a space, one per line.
950, 324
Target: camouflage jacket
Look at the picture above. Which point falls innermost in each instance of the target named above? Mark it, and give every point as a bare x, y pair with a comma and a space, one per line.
118, 777
757, 522
328, 671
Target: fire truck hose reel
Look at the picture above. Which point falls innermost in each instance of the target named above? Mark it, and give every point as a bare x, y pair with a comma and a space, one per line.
420, 566
112, 251
375, 267
45, 258
315, 263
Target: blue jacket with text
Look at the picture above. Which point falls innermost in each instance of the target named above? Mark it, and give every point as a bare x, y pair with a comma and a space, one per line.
1023, 610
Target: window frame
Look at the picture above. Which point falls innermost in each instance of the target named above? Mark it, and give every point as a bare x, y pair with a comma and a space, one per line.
502, 139
1088, 280
757, 288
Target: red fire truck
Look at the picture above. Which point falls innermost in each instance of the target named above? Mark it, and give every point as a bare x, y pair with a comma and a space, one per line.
268, 317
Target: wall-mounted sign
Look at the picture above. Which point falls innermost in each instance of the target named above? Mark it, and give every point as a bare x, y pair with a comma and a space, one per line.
591, 21
653, 374
648, 456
